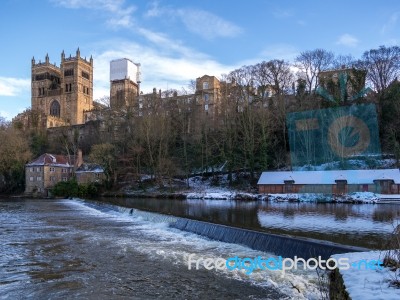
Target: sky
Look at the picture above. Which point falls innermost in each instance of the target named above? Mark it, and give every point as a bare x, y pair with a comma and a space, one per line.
177, 41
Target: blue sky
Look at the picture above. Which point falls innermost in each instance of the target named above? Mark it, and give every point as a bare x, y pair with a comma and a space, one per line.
176, 41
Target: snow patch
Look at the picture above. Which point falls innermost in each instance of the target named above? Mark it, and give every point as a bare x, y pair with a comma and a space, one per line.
368, 284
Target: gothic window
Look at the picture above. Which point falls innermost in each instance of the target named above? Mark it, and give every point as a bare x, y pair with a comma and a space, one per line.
69, 72
68, 87
205, 85
55, 109
85, 75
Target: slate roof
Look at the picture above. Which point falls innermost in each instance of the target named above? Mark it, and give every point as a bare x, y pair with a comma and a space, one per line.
48, 159
92, 168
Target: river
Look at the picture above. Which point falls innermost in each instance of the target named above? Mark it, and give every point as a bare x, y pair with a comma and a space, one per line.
54, 249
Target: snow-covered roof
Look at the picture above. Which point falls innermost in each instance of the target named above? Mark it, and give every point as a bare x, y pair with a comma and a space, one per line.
89, 168
330, 177
48, 159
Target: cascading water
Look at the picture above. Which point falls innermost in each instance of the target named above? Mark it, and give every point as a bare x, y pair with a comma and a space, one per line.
284, 246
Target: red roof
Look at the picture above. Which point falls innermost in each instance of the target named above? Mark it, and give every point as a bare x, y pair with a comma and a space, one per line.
50, 160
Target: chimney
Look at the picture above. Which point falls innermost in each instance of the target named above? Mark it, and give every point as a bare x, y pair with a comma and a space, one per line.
79, 159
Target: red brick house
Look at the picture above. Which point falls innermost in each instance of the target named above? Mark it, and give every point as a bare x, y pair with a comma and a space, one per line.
385, 181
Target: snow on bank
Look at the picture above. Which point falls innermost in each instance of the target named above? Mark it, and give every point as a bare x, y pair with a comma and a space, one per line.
367, 283
364, 197
201, 188
222, 195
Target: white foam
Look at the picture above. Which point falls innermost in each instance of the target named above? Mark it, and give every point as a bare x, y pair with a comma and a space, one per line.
159, 241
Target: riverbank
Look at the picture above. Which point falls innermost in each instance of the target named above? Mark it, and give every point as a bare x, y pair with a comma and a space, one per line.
366, 278
218, 188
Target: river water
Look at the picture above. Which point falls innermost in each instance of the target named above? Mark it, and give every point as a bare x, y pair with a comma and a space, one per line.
56, 249
363, 225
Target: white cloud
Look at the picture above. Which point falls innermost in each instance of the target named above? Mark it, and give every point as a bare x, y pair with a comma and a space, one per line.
14, 86
119, 15
154, 10
283, 14
162, 68
207, 25
347, 40
390, 23
197, 21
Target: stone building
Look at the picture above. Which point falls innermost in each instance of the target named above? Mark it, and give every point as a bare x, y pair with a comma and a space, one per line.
45, 171
90, 173
346, 81
124, 83
62, 93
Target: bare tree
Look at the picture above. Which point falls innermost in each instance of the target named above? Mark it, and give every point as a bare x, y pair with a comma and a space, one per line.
105, 100
311, 63
344, 61
276, 74
383, 66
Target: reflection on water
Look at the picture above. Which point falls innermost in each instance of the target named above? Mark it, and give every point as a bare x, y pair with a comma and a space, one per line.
364, 225
74, 249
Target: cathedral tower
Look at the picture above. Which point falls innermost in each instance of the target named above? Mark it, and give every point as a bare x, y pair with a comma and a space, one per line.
125, 83
63, 93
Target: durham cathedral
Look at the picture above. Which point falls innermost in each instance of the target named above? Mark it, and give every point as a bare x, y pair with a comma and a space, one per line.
63, 95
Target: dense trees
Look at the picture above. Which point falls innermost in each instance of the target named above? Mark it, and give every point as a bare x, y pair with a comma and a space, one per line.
244, 127
14, 154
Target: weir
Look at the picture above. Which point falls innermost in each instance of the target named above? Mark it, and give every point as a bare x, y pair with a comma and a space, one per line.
284, 246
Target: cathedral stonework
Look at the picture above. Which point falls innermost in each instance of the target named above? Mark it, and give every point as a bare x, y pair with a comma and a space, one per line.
63, 93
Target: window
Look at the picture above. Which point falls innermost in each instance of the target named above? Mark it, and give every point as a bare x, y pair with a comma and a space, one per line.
206, 97
52, 178
63, 170
39, 178
52, 169
55, 109
32, 169
85, 90
205, 85
85, 75
31, 178
38, 169
64, 179
68, 87
69, 72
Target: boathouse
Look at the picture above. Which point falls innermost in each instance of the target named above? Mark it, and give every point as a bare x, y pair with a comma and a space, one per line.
384, 181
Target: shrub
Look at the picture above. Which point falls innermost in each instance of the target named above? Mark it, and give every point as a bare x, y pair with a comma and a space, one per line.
71, 188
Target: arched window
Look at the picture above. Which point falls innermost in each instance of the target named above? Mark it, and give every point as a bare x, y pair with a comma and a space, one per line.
55, 108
